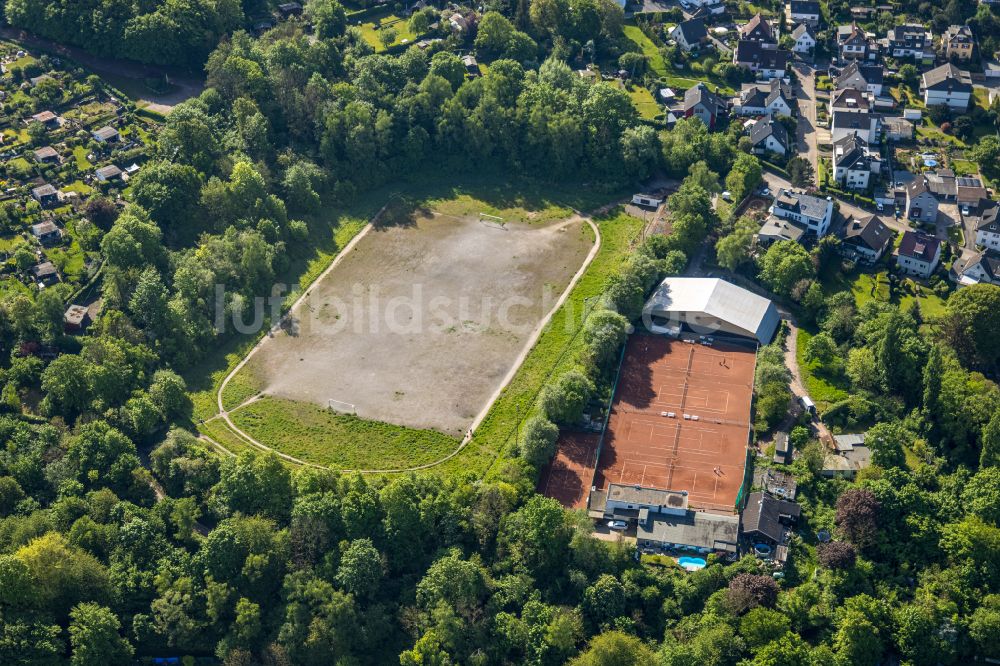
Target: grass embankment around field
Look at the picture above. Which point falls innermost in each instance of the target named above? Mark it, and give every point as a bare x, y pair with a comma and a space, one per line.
350, 445
342, 441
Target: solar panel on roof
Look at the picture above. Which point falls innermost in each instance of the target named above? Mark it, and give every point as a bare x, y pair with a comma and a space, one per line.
969, 182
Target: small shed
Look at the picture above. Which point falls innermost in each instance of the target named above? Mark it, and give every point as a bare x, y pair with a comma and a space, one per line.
46, 194
107, 173
106, 134
46, 232
45, 273
647, 200
77, 318
47, 154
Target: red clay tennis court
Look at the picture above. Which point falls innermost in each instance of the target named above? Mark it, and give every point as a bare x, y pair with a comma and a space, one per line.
568, 477
680, 420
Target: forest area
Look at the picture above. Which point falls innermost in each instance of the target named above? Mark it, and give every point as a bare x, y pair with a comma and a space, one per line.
123, 536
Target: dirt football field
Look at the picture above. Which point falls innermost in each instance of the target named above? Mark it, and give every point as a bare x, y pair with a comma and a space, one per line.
419, 324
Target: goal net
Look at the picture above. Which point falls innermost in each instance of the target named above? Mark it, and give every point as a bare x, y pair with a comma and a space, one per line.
492, 221
343, 407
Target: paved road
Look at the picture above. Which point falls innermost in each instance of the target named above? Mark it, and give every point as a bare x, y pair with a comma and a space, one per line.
807, 125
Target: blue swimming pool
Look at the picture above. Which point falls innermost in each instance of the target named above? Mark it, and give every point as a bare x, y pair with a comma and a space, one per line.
691, 563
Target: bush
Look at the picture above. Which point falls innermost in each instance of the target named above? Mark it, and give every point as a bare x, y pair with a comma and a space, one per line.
538, 443
563, 400
836, 555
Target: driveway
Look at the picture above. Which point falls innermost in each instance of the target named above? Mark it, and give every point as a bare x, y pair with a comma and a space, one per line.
807, 126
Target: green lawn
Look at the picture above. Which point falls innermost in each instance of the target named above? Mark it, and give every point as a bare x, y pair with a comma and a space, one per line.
645, 103
824, 389
370, 33
875, 286
649, 49
78, 186
342, 441
80, 155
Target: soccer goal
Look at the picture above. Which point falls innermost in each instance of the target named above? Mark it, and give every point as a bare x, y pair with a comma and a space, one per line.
492, 221
343, 407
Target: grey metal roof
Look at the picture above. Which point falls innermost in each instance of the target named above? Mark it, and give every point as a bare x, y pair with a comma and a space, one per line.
755, 315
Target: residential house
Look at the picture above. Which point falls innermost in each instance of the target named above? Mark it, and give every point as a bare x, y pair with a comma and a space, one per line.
850, 99
911, 40
815, 213
947, 85
918, 253
851, 457
958, 42
854, 44
768, 135
690, 35
46, 233
704, 8
664, 521
860, 123
108, 173
766, 519
866, 78
943, 184
805, 40
46, 195
980, 268
45, 274
774, 97
47, 154
855, 164
763, 59
988, 224
46, 118
921, 204
865, 239
802, 11
76, 318
106, 134
777, 229
758, 29
898, 129
704, 105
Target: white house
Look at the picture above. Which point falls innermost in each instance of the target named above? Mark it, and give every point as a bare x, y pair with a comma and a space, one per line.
865, 239
918, 253
758, 29
988, 228
804, 11
689, 35
861, 77
853, 43
981, 268
813, 212
921, 204
947, 85
805, 40
761, 58
909, 41
855, 163
769, 136
860, 123
774, 97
